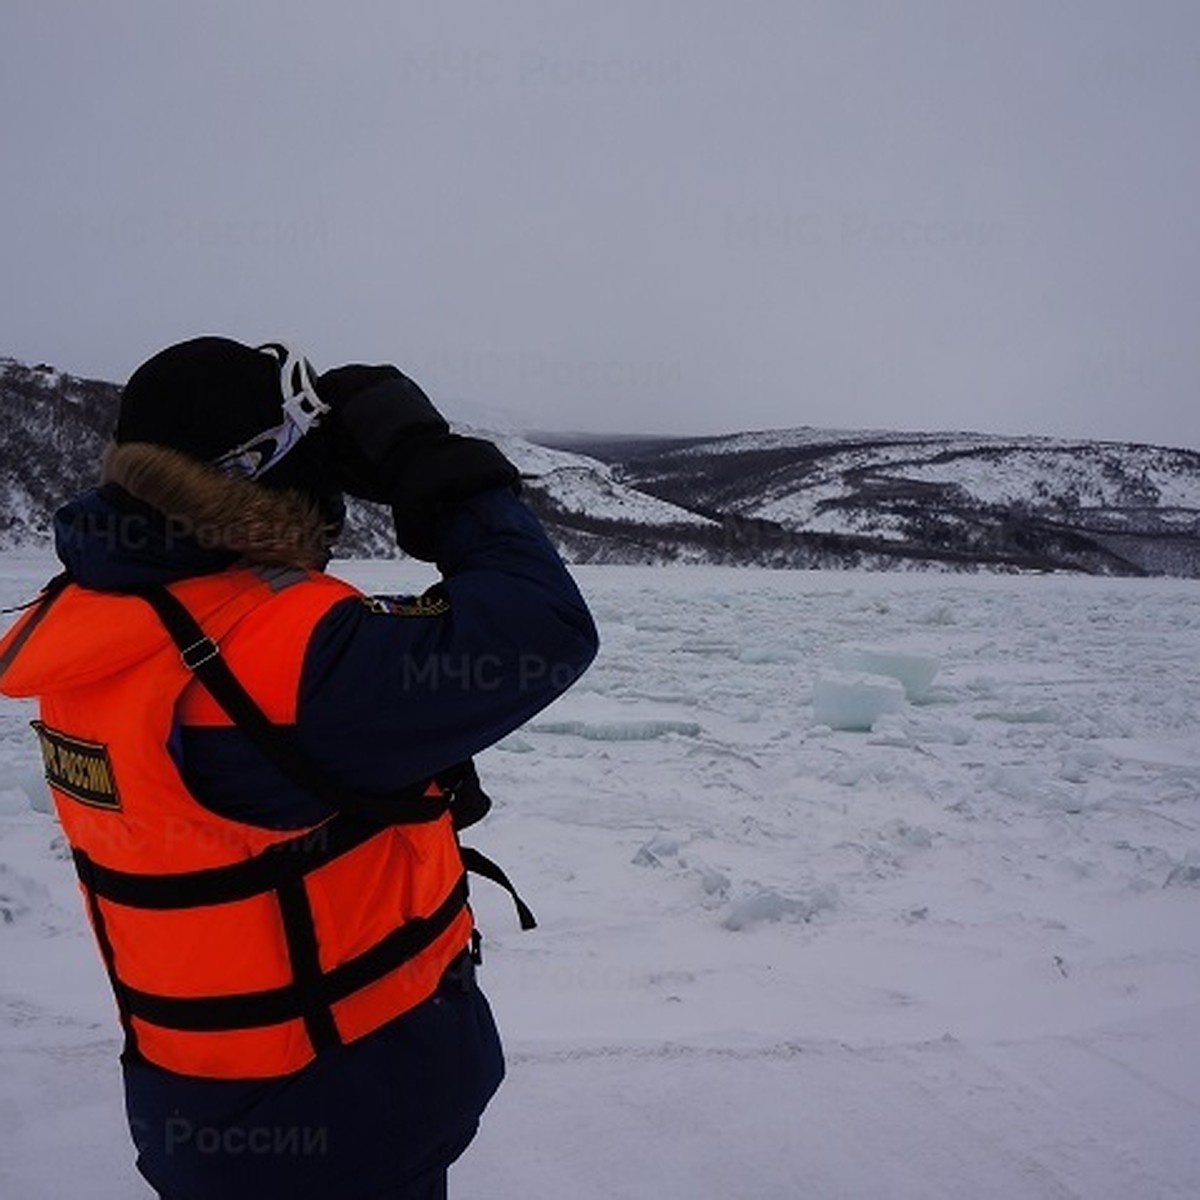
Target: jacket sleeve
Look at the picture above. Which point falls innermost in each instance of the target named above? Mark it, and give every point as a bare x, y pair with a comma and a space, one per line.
392, 692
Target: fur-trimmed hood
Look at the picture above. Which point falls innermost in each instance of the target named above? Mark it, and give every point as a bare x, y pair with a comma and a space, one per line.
218, 512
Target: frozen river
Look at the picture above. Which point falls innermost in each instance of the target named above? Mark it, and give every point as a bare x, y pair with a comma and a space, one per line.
957, 954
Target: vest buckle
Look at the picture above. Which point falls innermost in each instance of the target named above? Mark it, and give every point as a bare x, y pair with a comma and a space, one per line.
198, 653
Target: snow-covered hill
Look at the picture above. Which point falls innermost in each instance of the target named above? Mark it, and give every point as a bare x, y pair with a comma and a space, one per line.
579, 485
791, 498
52, 428
824, 476
954, 498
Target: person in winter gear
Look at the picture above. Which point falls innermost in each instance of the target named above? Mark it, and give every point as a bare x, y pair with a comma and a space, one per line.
263, 773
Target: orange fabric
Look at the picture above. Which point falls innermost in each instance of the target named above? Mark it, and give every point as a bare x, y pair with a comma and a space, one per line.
200, 951
160, 829
362, 1013
257, 1053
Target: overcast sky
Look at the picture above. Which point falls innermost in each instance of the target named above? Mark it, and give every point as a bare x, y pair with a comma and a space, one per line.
630, 214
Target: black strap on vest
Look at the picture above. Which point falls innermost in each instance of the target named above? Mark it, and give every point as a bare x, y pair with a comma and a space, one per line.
480, 864
100, 929
308, 998
203, 658
265, 872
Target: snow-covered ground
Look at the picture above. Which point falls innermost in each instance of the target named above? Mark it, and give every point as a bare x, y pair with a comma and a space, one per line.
955, 956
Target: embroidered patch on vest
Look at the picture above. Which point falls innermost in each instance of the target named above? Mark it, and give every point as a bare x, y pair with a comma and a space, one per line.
431, 604
79, 769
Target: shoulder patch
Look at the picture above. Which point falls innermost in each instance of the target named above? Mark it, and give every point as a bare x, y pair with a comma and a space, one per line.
78, 768
428, 604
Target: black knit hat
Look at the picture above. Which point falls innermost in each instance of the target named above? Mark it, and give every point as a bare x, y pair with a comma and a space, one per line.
206, 396
201, 397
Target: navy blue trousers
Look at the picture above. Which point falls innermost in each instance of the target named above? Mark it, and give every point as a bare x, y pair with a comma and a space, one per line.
360, 1123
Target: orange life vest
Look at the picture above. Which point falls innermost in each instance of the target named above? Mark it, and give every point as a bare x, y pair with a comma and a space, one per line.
234, 951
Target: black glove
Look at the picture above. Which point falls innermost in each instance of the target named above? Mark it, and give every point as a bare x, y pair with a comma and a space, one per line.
392, 446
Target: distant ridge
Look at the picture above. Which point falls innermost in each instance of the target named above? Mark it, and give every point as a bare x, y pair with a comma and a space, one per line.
812, 497
801, 497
